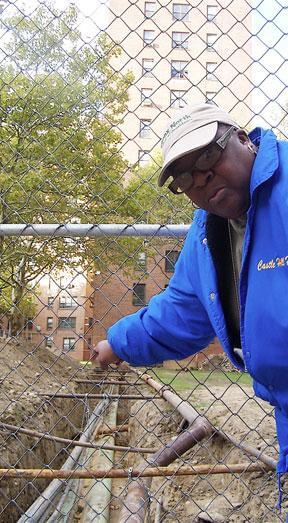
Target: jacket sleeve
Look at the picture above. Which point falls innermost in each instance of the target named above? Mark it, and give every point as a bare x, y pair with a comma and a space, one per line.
174, 325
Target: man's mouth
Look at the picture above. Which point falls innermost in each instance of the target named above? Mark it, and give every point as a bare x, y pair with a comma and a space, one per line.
216, 195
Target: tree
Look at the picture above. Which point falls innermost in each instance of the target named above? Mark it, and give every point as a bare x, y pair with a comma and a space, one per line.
60, 99
152, 204
146, 203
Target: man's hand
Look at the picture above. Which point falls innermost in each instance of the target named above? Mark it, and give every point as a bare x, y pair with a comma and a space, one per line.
104, 354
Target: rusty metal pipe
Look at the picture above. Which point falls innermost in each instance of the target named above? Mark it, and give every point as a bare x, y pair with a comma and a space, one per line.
72, 442
110, 430
110, 382
183, 407
188, 412
137, 498
149, 472
159, 509
248, 449
100, 396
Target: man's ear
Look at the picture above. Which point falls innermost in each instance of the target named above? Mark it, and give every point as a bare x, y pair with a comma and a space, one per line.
242, 136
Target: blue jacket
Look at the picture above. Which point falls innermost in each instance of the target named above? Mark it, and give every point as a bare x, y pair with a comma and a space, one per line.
184, 318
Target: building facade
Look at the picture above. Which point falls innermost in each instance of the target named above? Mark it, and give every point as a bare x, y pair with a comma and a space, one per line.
118, 293
180, 52
63, 315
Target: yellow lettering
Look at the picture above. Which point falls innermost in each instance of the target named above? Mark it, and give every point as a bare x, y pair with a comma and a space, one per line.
268, 265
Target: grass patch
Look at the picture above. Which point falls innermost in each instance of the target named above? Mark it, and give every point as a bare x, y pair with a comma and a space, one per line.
181, 380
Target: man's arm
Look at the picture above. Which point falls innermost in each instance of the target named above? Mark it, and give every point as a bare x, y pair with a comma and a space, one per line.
174, 325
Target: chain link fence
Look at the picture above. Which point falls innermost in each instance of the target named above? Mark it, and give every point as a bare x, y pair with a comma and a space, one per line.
86, 90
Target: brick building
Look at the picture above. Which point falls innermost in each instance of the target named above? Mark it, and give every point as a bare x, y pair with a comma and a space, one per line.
63, 315
115, 294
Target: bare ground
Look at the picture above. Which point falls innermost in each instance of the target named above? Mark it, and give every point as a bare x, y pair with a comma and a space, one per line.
246, 497
249, 497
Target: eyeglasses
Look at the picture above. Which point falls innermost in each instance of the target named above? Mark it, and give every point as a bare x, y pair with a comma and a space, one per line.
210, 156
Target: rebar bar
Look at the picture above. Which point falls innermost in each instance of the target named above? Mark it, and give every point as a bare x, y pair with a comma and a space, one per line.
110, 382
151, 472
71, 442
110, 430
100, 396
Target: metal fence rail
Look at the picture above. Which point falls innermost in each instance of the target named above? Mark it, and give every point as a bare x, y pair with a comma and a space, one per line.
86, 237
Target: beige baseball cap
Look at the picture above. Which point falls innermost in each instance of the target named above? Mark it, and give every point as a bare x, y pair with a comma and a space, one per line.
192, 128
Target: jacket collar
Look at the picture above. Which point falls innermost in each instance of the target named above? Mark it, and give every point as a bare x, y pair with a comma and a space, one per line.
266, 161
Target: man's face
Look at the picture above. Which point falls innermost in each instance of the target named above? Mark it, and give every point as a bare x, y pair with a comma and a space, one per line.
225, 188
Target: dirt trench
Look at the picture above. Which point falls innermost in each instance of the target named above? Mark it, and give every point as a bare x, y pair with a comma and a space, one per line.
231, 498
250, 497
26, 372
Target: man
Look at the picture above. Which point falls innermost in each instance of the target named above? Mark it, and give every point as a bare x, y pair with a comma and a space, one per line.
240, 183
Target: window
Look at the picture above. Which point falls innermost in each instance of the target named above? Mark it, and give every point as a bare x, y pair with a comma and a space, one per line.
149, 9
180, 39
178, 69
138, 297
146, 96
143, 158
211, 12
181, 12
49, 325
29, 324
62, 282
69, 343
177, 99
147, 66
67, 302
50, 301
48, 341
148, 37
145, 129
142, 259
210, 40
210, 68
210, 95
170, 260
67, 323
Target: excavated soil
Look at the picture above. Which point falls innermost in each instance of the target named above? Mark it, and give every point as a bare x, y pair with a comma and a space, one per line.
249, 497
25, 373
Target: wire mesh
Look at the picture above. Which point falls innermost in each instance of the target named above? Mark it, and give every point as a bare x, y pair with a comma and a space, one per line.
86, 90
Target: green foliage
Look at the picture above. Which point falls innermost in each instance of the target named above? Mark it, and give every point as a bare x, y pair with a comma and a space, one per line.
60, 159
152, 204
25, 305
60, 100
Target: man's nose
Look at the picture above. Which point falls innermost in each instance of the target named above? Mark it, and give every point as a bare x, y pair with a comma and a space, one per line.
201, 178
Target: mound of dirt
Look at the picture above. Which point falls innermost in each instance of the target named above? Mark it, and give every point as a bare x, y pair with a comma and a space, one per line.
213, 498
26, 372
